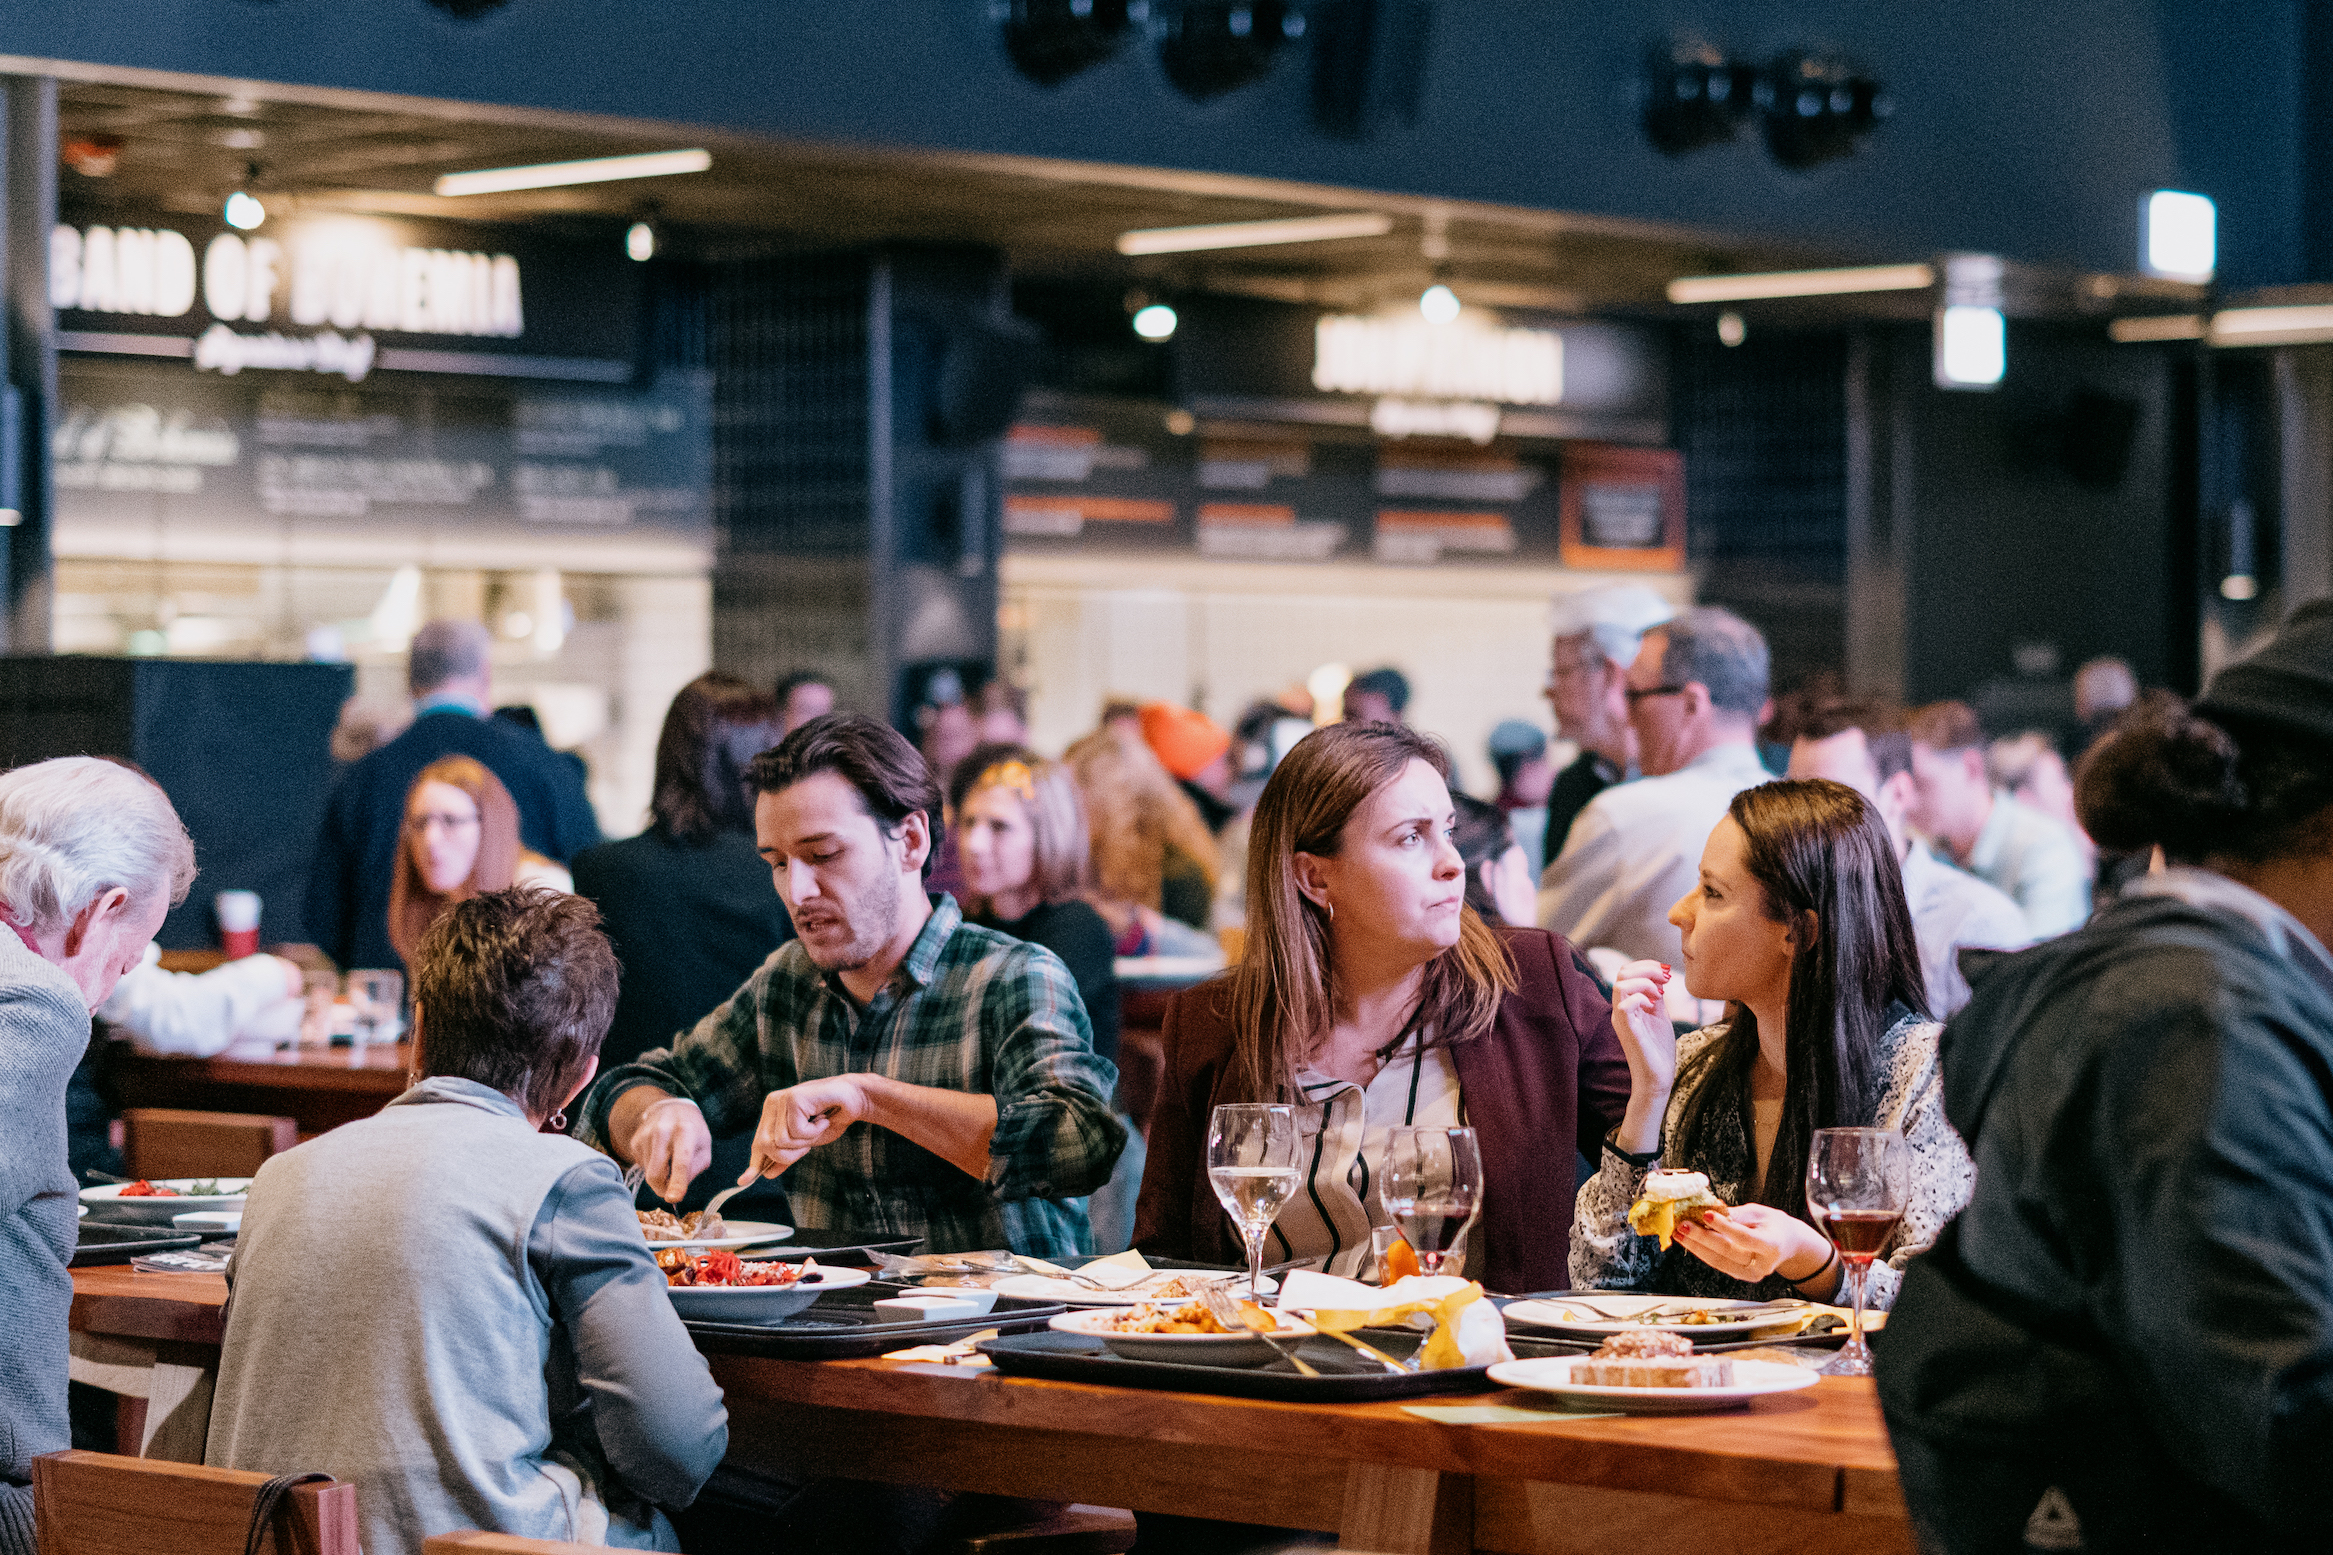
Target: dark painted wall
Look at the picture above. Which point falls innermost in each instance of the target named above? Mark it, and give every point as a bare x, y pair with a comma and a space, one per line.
2028, 130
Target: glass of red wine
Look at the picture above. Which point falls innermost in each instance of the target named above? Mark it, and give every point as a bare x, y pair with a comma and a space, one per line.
1858, 1182
1432, 1189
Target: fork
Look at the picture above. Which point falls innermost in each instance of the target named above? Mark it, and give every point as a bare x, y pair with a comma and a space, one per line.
1225, 1311
1370, 1350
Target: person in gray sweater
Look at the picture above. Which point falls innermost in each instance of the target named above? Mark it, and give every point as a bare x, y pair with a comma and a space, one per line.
91, 857
453, 1310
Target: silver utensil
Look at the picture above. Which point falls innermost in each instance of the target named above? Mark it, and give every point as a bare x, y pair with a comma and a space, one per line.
713, 1205
1370, 1350
1226, 1311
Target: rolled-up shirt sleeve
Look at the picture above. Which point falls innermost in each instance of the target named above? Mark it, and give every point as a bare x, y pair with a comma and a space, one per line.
659, 1417
1057, 1135
719, 1064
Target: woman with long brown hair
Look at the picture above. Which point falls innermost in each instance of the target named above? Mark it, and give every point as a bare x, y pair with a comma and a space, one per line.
1375, 998
461, 840
1799, 923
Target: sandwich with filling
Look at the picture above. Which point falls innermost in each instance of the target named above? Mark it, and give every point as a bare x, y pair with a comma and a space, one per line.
1668, 1198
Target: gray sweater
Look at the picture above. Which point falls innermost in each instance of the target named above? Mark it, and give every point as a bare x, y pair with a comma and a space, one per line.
458, 1314
43, 1028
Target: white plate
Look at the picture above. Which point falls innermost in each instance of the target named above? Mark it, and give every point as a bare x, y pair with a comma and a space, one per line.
142, 1210
1051, 1287
1182, 1349
1752, 1379
760, 1303
742, 1233
1554, 1312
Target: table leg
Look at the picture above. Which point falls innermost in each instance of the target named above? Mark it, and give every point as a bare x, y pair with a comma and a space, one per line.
1405, 1511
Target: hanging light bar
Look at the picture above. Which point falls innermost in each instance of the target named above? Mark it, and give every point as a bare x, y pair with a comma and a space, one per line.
1254, 234
558, 175
1801, 283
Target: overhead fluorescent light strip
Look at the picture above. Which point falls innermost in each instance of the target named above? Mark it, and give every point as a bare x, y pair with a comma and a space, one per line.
2272, 326
558, 175
1254, 234
1801, 283
2156, 326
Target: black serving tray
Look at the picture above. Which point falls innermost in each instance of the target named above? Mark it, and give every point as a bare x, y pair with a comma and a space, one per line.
103, 1242
1347, 1376
843, 1325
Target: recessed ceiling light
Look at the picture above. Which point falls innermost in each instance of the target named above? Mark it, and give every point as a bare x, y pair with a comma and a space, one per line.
1254, 234
558, 175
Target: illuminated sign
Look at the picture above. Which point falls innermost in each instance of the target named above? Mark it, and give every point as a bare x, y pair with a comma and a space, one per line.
1462, 360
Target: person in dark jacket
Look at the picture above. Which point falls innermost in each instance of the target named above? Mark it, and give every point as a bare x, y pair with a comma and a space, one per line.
2126, 1341
364, 821
1371, 991
689, 904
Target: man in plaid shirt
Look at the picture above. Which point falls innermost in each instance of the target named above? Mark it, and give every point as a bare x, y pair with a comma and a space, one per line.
914, 1075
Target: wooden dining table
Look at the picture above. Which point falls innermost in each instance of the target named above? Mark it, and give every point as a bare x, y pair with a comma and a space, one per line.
319, 1088
1794, 1472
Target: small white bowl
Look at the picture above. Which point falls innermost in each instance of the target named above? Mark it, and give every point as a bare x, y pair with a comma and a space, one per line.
926, 1309
760, 1303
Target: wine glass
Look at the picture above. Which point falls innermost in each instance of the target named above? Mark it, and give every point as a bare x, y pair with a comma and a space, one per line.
1252, 1163
375, 998
1858, 1183
1433, 1188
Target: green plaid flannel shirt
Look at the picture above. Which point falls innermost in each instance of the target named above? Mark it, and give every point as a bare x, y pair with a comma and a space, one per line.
968, 1010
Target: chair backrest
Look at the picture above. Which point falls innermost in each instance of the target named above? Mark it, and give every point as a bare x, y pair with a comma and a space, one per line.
165, 1142
93, 1503
477, 1542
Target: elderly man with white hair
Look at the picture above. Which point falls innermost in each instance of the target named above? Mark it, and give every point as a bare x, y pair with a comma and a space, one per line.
1597, 633
91, 858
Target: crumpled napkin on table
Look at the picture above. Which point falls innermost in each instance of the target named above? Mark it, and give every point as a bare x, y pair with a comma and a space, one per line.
1467, 1330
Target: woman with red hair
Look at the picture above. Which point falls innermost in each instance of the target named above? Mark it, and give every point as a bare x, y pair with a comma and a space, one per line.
461, 840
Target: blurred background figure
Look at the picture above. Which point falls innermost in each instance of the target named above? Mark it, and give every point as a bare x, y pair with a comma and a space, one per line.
2029, 769
359, 846
1002, 714
1598, 632
1155, 863
1196, 751
802, 696
689, 904
1020, 826
1695, 695
1518, 752
1378, 696
1863, 745
461, 840
364, 727
1501, 885
2103, 689
2035, 860
1267, 732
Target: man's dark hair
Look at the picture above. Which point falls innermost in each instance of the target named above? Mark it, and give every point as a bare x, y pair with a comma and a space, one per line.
1388, 683
1882, 724
715, 727
514, 989
889, 774
1945, 727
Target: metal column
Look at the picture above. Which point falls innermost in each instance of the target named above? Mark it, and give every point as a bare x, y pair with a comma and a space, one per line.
28, 357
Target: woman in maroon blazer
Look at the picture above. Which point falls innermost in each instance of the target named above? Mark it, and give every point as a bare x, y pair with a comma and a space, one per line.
1371, 995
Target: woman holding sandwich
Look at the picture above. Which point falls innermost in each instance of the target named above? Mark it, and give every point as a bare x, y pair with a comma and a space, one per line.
1799, 923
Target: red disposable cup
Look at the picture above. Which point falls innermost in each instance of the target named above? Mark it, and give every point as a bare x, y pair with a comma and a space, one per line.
241, 943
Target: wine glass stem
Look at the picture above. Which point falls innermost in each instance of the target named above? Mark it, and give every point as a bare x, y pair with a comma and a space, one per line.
1858, 1279
1429, 1263
1255, 1241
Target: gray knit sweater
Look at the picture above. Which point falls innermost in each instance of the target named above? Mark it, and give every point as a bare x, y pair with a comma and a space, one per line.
44, 1027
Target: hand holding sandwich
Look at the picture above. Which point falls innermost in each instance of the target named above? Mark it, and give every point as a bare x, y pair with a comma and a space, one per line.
1751, 1241
1649, 1043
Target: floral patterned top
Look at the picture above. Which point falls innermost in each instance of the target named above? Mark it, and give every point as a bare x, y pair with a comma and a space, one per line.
1606, 1255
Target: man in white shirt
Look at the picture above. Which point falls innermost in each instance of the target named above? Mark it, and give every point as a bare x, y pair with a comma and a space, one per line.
1598, 632
1864, 747
1695, 695
2034, 859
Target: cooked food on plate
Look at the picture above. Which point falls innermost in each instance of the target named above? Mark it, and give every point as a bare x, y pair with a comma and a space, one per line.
208, 1188
1669, 1197
662, 1225
1649, 1358
1163, 1317
723, 1267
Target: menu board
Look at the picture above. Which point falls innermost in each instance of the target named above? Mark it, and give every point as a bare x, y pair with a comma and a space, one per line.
155, 459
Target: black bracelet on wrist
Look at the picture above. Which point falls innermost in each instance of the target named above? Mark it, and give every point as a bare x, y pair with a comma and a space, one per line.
1821, 1269
1644, 1162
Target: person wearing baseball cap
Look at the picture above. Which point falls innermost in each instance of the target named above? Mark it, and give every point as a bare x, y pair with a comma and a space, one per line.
1597, 633
2125, 1341
1196, 750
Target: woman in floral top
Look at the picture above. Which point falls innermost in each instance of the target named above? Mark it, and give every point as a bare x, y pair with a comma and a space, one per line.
1799, 924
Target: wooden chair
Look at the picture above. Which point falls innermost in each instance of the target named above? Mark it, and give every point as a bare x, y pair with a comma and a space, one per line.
92, 1503
476, 1542
166, 1142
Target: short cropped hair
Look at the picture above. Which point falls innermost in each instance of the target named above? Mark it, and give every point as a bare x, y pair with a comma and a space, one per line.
1946, 727
443, 651
1882, 726
514, 989
1048, 792
1388, 683
1717, 649
74, 828
890, 775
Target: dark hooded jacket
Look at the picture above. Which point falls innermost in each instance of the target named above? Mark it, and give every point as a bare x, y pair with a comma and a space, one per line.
2136, 1309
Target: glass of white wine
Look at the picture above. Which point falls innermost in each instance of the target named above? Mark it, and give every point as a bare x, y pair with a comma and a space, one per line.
1252, 1163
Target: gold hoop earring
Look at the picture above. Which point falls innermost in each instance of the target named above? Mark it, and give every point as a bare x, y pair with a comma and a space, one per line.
1331, 909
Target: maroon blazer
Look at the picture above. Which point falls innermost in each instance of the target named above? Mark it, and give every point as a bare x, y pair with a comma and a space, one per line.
1543, 1085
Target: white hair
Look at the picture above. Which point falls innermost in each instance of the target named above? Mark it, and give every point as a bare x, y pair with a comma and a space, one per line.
1615, 616
74, 828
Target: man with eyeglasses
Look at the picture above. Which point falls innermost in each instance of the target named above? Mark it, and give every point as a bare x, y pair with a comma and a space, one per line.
1597, 634
1695, 695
